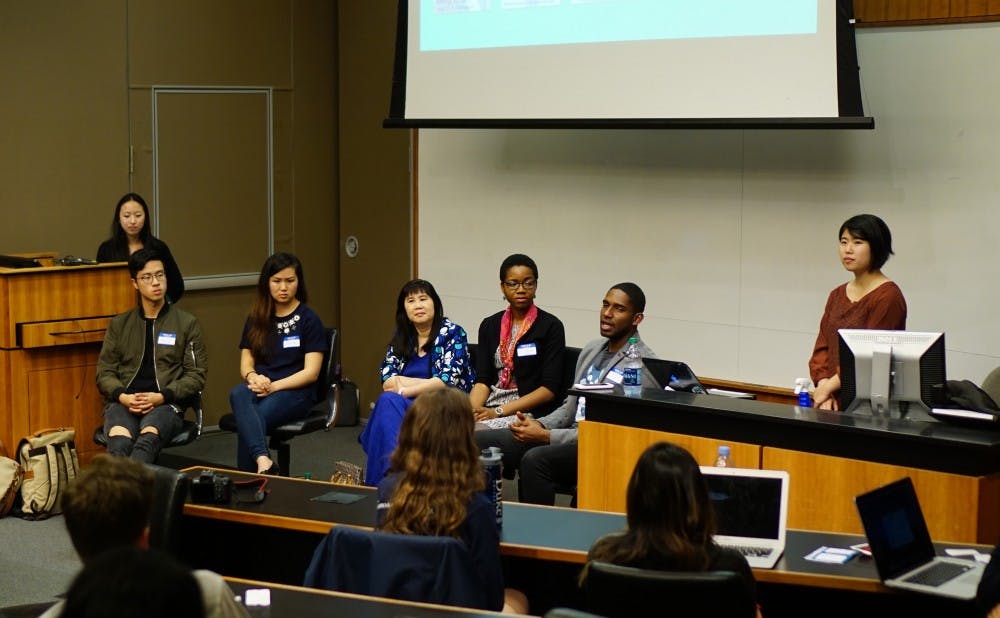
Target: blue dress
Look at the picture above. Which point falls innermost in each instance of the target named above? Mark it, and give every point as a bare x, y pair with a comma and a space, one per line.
382, 430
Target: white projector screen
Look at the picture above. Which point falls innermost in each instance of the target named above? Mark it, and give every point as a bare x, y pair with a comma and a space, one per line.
620, 59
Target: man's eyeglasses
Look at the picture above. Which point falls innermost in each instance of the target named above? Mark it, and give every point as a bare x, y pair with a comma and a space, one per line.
528, 284
148, 278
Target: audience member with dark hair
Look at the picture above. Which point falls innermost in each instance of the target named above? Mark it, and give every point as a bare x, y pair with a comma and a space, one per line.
988, 594
435, 488
427, 352
670, 521
870, 300
519, 366
281, 353
130, 232
128, 582
106, 508
152, 365
543, 451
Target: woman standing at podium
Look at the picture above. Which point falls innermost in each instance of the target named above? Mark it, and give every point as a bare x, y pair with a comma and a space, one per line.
870, 300
130, 232
281, 353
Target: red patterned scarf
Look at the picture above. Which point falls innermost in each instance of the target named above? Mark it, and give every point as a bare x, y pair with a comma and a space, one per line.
508, 344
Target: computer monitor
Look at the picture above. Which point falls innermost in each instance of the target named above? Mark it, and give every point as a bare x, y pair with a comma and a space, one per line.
890, 373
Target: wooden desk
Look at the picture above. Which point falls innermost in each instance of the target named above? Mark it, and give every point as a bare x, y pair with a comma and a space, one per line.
299, 602
530, 531
831, 457
274, 541
52, 323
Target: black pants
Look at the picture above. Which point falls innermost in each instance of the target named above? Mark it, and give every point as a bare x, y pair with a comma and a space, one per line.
544, 468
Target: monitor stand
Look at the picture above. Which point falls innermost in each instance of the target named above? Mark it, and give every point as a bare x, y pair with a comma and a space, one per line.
897, 410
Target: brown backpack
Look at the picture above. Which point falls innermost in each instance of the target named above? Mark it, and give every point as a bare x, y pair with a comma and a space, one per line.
50, 464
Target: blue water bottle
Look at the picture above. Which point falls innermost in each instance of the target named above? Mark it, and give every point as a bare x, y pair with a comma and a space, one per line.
492, 460
802, 390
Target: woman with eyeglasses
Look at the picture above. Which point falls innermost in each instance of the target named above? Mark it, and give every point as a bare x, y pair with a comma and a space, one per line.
281, 353
519, 362
427, 352
130, 232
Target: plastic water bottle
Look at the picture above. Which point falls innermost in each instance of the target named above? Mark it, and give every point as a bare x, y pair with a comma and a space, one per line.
802, 391
492, 460
632, 369
723, 460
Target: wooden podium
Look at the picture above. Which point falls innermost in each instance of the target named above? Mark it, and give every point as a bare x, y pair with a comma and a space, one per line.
52, 323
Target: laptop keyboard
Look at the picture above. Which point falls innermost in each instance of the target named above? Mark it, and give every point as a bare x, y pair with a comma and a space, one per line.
750, 550
938, 574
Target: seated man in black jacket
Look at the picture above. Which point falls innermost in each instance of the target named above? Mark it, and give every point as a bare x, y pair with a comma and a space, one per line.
152, 362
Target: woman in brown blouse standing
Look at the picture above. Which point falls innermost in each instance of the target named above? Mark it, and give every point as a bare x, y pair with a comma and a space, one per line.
870, 300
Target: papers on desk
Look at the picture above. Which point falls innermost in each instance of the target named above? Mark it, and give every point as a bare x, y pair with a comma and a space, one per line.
968, 553
969, 414
734, 394
831, 555
594, 387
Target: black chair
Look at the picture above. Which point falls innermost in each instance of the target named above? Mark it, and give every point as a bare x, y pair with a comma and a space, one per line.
190, 428
612, 590
428, 569
323, 415
170, 490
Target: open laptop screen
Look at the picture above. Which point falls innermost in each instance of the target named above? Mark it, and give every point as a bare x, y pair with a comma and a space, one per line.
895, 527
745, 506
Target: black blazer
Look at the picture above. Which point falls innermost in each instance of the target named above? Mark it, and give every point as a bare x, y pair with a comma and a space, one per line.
543, 369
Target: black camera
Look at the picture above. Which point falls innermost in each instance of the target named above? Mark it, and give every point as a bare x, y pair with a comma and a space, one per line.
211, 488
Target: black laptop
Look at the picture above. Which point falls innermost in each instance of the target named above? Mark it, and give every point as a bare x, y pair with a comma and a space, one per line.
902, 548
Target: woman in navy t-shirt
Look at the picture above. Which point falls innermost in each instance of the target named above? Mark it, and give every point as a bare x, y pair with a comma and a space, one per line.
281, 352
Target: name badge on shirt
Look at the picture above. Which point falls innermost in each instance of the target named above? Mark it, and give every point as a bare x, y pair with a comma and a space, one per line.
614, 376
527, 349
167, 339
291, 341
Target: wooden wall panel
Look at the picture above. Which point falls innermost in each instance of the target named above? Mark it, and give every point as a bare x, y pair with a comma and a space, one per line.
952, 504
912, 12
603, 480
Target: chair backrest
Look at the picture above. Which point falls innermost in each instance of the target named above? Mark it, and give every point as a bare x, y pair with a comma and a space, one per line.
612, 590
169, 493
329, 378
992, 385
398, 566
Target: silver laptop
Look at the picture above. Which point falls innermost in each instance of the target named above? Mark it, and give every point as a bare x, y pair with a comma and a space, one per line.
902, 548
751, 511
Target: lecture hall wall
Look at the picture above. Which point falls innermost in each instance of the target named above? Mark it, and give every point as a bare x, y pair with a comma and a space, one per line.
733, 234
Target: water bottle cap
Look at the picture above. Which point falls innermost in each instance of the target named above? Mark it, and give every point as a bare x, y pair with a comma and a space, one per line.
724, 450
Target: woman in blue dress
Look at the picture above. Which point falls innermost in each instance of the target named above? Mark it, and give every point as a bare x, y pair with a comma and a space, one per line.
428, 351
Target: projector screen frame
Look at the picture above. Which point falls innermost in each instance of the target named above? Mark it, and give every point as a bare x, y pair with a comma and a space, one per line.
850, 108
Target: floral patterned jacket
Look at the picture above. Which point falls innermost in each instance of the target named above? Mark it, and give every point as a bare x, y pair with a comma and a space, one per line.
449, 359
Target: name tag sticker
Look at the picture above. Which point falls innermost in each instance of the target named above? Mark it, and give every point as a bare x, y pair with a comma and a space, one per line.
527, 349
614, 376
291, 341
167, 339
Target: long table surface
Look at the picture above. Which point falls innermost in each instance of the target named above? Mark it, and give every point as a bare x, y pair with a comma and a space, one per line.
529, 531
298, 602
929, 445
